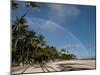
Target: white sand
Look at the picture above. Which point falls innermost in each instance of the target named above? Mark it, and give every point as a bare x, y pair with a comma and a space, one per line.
89, 64
59, 65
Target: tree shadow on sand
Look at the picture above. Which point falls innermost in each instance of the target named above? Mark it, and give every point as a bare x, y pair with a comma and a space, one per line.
69, 67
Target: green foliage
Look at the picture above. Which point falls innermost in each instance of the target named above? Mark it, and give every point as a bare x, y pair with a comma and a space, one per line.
14, 5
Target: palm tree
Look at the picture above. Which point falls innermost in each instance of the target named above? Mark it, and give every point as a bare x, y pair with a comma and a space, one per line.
14, 5
32, 5
19, 28
39, 50
30, 36
41, 40
63, 50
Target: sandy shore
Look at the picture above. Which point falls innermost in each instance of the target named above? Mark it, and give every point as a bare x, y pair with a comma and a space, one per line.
75, 64
80, 63
68, 65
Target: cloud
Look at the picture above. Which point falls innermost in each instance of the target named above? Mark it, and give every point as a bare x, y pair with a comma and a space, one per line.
49, 25
43, 24
61, 13
64, 10
57, 13
70, 46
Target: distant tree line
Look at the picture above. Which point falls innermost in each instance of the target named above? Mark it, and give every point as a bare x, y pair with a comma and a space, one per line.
27, 45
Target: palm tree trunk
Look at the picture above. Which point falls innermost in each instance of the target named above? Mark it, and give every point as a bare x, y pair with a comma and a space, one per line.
15, 45
16, 42
21, 58
27, 55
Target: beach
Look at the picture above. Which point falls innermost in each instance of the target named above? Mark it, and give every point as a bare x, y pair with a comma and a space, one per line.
72, 65
67, 65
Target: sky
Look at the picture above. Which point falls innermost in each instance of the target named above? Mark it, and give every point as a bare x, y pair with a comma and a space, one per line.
65, 26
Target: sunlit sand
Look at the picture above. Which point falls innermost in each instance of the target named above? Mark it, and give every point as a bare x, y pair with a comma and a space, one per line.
68, 65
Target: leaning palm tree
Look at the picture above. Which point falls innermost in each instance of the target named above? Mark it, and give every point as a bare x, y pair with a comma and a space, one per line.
19, 28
